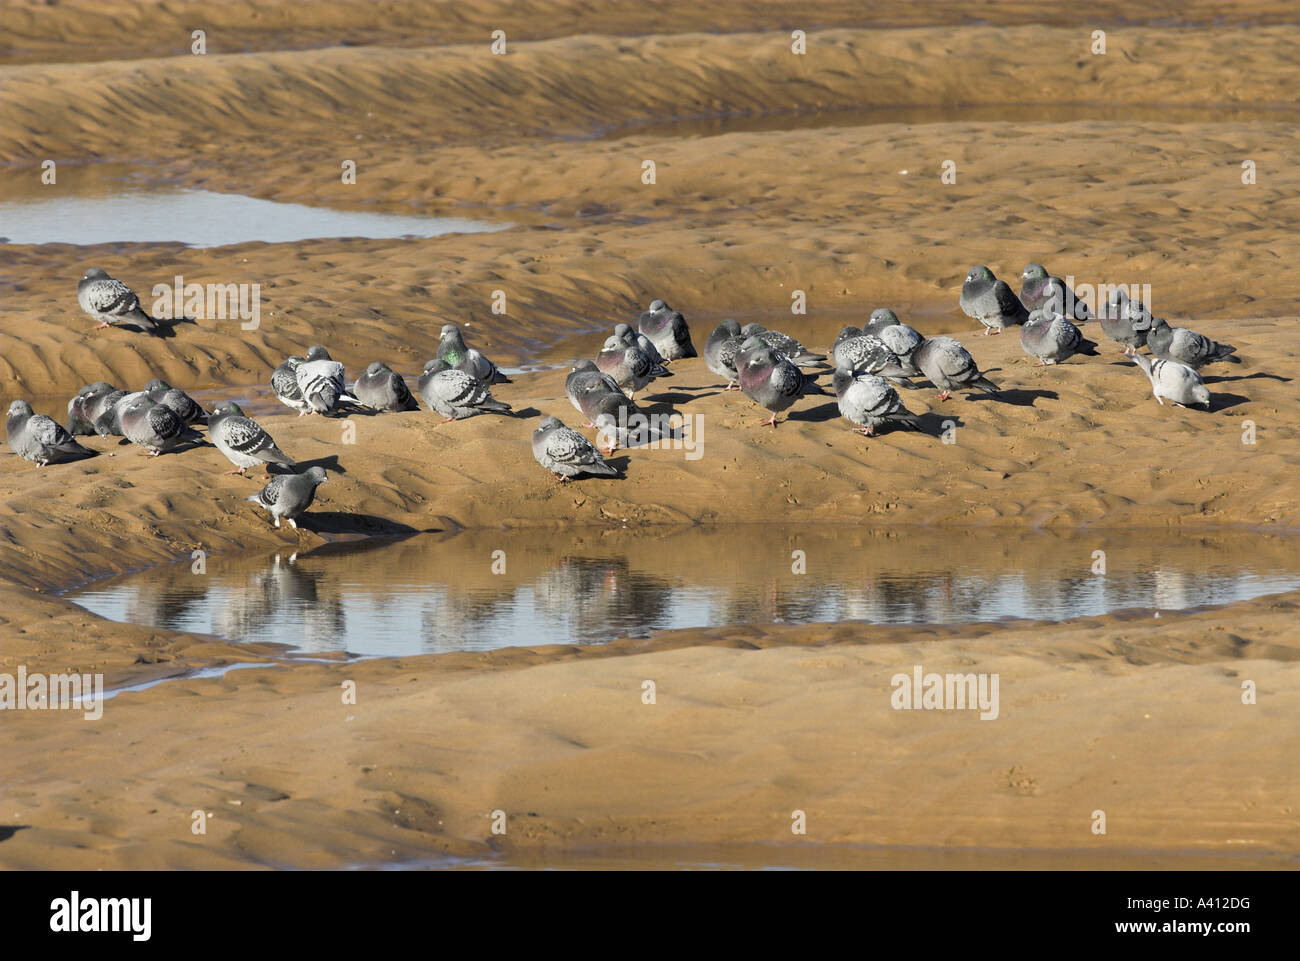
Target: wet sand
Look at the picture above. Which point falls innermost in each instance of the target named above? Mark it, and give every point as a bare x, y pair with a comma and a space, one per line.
1136, 716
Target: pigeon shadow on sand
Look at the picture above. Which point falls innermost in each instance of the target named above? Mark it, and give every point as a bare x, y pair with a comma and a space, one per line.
1258, 375
525, 412
1220, 402
678, 397
1018, 396
9, 830
330, 463
337, 522
816, 415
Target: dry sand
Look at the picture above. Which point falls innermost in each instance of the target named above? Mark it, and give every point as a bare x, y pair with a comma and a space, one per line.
1141, 718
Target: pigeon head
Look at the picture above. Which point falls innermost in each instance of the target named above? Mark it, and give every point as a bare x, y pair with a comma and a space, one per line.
731, 327
436, 366
622, 332
98, 387
95, 273
318, 353
750, 330
657, 305
378, 367
20, 408
157, 384
550, 423
137, 402
848, 332
611, 343
584, 365
294, 362
1034, 272
317, 474
979, 275
841, 380
757, 353
1201, 394
227, 407
884, 317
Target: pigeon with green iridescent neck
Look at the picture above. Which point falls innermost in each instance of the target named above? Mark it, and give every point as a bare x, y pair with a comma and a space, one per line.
452, 350
668, 330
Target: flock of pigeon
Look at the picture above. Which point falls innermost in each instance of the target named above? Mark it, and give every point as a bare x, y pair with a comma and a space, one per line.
773, 369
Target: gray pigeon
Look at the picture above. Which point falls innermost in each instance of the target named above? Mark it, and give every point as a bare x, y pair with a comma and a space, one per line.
797, 353
668, 330
949, 366
243, 440
382, 388
452, 350
455, 394
1039, 289
1050, 338
771, 379
870, 402
288, 495
38, 438
108, 420
1186, 346
628, 365
154, 426
626, 335
897, 336
185, 407
720, 352
869, 354
585, 377
112, 302
990, 301
320, 378
566, 453
284, 382
1125, 321
1174, 381
84, 408
617, 419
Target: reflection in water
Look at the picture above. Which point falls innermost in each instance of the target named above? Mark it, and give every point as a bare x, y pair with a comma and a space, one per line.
113, 203
440, 593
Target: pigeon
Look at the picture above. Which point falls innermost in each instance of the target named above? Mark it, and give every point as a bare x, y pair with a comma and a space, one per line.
770, 379
584, 378
870, 402
720, 352
242, 439
1127, 322
288, 495
566, 453
112, 302
628, 365
455, 394
1174, 381
452, 349
627, 336
1050, 338
154, 426
798, 354
668, 330
1186, 346
869, 354
38, 438
949, 366
320, 378
897, 336
85, 407
185, 407
618, 420
284, 382
1039, 288
381, 388
107, 421
990, 301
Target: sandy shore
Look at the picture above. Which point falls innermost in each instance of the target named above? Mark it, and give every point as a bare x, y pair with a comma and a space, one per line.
1139, 717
